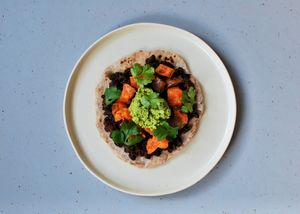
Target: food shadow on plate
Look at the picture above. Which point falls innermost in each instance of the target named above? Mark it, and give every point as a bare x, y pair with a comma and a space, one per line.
235, 149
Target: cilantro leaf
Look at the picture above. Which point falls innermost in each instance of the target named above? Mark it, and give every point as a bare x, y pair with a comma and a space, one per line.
128, 134
117, 136
143, 75
134, 140
145, 102
164, 130
129, 129
188, 100
155, 103
186, 108
136, 69
111, 94
192, 92
151, 100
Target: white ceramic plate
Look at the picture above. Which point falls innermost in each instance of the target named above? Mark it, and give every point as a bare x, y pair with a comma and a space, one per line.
201, 154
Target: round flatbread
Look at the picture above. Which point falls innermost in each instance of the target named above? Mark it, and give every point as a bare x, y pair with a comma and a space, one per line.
122, 65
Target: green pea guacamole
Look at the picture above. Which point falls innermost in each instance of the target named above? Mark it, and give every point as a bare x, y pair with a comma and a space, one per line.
148, 109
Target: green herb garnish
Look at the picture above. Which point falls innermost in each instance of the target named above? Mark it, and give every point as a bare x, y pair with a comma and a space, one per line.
143, 75
147, 109
111, 94
164, 130
188, 100
128, 134
151, 100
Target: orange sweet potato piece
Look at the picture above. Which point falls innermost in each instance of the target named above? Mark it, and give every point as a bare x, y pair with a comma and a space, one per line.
122, 114
174, 96
180, 118
164, 70
153, 144
117, 106
148, 130
120, 111
127, 94
163, 144
133, 83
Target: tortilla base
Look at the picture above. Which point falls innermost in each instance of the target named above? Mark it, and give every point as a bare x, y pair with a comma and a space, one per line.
127, 62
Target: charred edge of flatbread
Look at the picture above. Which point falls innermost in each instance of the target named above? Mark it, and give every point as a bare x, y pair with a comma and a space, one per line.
127, 62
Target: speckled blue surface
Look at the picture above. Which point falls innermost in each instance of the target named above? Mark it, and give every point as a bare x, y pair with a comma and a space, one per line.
40, 41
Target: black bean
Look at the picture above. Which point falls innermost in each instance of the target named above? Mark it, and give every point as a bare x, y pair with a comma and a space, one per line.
174, 143
185, 129
172, 121
178, 141
152, 61
183, 86
119, 78
190, 83
167, 64
127, 73
108, 125
195, 112
164, 95
126, 148
142, 152
171, 147
181, 72
132, 156
157, 152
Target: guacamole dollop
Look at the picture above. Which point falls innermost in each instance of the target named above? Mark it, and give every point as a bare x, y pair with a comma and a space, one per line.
148, 109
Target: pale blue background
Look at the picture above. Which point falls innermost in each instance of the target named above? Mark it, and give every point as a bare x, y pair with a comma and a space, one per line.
40, 41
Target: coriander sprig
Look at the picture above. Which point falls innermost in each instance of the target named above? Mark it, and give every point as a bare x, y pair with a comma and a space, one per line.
188, 100
143, 75
128, 134
164, 130
111, 94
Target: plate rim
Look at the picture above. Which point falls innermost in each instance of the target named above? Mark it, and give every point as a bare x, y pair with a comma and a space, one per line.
228, 134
